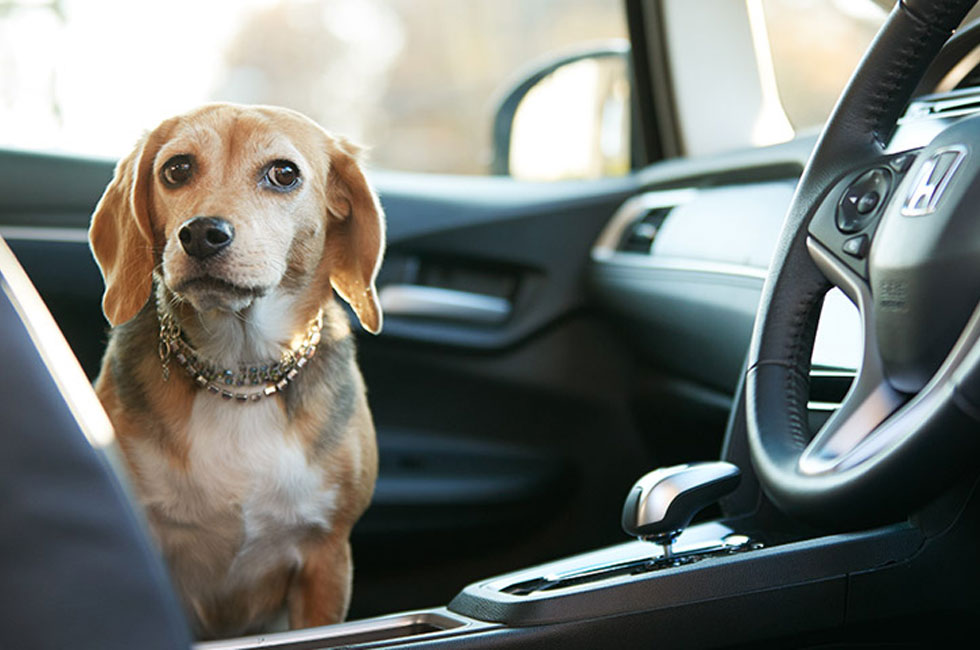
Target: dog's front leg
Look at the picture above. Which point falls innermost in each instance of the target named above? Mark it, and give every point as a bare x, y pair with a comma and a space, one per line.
321, 588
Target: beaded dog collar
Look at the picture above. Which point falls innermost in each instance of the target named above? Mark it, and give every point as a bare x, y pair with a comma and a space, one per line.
224, 381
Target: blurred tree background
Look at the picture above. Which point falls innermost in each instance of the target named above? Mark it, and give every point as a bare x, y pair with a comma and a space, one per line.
416, 80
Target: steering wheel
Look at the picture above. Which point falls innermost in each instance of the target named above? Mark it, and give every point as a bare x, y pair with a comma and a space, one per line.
900, 235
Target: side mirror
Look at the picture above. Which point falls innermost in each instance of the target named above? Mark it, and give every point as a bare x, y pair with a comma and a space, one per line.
567, 118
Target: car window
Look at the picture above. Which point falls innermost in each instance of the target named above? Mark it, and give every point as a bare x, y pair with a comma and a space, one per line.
416, 81
834, 33
759, 72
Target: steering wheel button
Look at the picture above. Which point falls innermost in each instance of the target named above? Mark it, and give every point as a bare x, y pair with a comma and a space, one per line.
902, 162
862, 200
857, 246
867, 203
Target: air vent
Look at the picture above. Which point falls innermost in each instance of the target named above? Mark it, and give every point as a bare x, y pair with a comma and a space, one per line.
947, 105
929, 115
636, 223
638, 236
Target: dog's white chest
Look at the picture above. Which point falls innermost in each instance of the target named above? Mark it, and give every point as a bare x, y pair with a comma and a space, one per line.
245, 471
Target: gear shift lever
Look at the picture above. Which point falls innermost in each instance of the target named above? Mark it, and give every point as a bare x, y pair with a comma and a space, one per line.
662, 503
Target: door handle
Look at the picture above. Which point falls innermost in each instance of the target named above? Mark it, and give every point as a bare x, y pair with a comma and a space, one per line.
446, 304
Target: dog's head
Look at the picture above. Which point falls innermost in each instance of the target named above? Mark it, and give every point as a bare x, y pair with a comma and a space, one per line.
231, 202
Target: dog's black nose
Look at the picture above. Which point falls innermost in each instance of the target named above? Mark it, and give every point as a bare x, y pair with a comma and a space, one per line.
204, 236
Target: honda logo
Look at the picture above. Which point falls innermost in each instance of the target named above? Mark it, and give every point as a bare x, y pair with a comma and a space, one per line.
931, 181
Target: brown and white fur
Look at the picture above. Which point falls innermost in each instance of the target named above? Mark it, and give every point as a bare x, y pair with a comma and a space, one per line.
252, 504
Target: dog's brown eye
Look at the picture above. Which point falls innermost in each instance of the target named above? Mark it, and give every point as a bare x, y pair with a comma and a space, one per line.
282, 175
177, 171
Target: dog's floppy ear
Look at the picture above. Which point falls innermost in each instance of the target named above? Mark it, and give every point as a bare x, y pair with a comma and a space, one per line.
355, 234
121, 236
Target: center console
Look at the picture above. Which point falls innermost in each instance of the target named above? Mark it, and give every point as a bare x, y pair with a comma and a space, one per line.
722, 582
720, 585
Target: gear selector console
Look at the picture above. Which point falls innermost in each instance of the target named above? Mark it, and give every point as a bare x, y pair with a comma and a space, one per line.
662, 503
658, 509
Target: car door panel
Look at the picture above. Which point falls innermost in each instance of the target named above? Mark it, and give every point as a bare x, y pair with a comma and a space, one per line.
523, 403
524, 242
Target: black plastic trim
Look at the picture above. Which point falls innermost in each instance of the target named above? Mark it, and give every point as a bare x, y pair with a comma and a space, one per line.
804, 564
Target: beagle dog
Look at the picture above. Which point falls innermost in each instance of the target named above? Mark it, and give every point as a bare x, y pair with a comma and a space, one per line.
230, 373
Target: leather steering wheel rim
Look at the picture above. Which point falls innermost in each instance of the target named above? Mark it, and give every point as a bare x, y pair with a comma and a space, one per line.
857, 487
